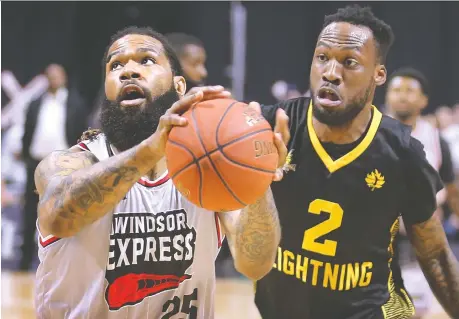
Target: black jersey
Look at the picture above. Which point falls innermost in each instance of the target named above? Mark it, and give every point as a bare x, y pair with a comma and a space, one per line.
339, 208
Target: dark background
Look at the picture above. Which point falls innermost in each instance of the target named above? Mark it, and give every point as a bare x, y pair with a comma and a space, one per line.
280, 39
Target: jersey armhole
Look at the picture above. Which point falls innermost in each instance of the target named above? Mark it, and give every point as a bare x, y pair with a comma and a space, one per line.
83, 146
45, 241
218, 227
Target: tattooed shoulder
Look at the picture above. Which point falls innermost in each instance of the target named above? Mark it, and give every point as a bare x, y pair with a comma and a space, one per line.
61, 164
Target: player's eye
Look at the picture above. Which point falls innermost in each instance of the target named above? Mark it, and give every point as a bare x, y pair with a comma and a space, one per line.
350, 63
115, 65
148, 61
322, 57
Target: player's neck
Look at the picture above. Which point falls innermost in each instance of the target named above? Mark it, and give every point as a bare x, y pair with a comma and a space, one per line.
411, 121
158, 170
348, 133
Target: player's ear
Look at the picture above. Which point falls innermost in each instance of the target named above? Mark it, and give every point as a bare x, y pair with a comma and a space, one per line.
380, 75
180, 85
424, 101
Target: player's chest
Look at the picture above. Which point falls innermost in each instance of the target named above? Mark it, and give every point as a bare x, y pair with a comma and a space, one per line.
359, 199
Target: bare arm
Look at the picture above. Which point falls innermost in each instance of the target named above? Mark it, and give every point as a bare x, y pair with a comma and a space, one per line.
253, 236
75, 190
438, 263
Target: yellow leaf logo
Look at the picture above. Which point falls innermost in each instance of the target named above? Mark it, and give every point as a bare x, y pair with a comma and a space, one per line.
375, 180
288, 166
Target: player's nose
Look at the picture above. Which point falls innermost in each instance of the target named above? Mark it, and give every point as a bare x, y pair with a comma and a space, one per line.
129, 72
333, 73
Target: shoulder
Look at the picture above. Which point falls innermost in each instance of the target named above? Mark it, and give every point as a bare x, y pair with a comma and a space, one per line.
397, 134
62, 163
296, 109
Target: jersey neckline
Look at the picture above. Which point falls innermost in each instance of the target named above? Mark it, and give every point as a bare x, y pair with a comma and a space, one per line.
346, 159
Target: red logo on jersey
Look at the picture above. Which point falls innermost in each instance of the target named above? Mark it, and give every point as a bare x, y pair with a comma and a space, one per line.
149, 253
131, 288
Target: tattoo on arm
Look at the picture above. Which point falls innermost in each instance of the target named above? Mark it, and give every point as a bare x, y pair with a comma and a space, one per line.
438, 263
76, 191
254, 233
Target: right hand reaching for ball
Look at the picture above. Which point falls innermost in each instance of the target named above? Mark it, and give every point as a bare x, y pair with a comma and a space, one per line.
173, 117
281, 138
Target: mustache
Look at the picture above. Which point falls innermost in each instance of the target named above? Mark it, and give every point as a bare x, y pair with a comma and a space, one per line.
330, 85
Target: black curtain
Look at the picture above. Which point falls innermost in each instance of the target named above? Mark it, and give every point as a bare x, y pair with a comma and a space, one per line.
280, 39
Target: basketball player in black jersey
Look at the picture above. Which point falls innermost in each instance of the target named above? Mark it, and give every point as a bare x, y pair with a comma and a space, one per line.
351, 173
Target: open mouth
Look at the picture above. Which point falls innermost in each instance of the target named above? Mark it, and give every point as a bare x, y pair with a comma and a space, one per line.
328, 97
132, 95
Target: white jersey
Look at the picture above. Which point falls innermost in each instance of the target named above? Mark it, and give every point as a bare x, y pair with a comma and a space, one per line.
429, 136
153, 256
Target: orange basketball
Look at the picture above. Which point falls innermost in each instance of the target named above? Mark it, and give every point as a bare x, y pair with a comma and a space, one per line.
225, 158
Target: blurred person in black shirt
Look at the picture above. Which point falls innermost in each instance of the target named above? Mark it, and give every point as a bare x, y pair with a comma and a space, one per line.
192, 56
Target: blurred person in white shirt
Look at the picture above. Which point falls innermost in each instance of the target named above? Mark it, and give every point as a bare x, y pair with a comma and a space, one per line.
448, 122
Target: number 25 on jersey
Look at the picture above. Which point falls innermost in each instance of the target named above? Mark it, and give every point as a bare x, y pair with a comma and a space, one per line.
311, 235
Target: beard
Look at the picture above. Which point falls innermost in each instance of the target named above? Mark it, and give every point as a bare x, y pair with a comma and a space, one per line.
404, 115
126, 127
340, 117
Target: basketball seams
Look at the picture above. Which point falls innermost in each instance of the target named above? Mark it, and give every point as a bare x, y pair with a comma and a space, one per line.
245, 165
219, 148
210, 159
227, 156
195, 161
240, 138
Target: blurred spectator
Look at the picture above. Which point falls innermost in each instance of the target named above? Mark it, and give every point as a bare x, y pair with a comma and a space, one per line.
456, 113
449, 126
16, 99
432, 119
444, 116
407, 95
282, 91
7, 197
192, 56
54, 121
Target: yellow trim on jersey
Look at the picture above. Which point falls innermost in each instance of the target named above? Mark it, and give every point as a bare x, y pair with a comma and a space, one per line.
399, 305
346, 159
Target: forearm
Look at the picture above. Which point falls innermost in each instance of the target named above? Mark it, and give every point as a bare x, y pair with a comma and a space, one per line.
438, 263
442, 273
85, 195
257, 236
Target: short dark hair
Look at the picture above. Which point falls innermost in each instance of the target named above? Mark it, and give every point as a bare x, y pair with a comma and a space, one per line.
170, 53
412, 73
179, 40
363, 16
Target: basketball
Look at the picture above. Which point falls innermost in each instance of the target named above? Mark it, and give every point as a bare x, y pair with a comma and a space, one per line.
225, 158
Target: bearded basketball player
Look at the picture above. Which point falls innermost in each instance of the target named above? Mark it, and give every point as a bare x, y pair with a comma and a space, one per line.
117, 240
353, 172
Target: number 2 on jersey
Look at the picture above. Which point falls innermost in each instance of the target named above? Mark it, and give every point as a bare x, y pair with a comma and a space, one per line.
328, 247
